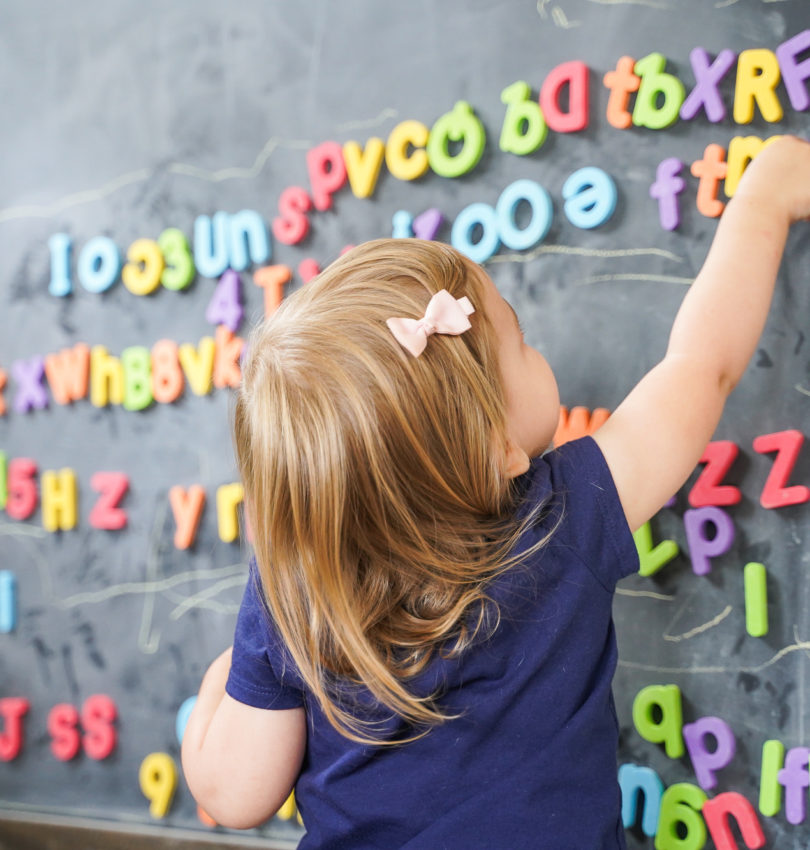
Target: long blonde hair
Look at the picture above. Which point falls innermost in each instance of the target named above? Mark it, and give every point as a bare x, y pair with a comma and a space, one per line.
375, 481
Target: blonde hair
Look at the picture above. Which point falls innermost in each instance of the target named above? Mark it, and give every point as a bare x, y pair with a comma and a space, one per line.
375, 481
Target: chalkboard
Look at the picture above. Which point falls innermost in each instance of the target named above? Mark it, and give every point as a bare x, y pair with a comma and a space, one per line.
122, 121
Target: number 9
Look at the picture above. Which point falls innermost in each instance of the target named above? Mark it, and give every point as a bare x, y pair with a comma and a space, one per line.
158, 778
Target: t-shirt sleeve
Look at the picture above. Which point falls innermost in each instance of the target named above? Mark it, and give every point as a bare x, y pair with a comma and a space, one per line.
261, 672
594, 524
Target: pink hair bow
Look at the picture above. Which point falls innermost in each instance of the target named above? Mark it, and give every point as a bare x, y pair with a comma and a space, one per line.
444, 315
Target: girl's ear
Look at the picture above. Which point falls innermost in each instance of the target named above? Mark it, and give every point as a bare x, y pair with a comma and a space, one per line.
516, 461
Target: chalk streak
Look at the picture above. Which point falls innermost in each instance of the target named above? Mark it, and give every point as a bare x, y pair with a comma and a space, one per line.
17, 530
75, 200
700, 629
561, 20
801, 389
233, 173
541, 8
621, 591
801, 646
369, 123
138, 587
87, 196
602, 253
650, 278
203, 595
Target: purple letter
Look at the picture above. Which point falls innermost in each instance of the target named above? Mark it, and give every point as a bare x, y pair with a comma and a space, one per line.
795, 73
704, 762
795, 777
707, 76
702, 548
31, 394
666, 189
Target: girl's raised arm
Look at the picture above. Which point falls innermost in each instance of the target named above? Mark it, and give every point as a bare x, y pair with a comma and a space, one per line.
240, 762
656, 436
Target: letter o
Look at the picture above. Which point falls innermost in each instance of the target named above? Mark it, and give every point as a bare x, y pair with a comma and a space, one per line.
461, 234
99, 264
542, 213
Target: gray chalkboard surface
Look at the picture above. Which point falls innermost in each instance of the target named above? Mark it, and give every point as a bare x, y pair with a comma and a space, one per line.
148, 147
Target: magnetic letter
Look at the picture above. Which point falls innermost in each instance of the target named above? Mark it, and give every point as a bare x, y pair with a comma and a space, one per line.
402, 164
668, 185
795, 73
30, 393
211, 244
755, 579
575, 76
229, 496
60, 245
716, 812
795, 778
363, 165
187, 508
702, 548
535, 231
787, 445
757, 78
590, 197
461, 237
12, 711
68, 373
719, 457
249, 242
621, 83
106, 513
459, 125
327, 173
706, 762
291, 226
638, 781
59, 496
711, 170
681, 804
272, 279
666, 730
655, 83
524, 128
707, 78
99, 264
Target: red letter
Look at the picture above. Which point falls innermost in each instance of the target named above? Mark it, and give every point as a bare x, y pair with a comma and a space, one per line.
106, 514
98, 717
716, 813
12, 710
22, 489
327, 173
63, 721
787, 445
576, 75
292, 225
718, 457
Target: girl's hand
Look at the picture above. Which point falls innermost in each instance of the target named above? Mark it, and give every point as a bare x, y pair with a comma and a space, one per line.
779, 178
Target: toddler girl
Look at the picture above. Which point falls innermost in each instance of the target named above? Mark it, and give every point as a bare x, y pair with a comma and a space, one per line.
425, 646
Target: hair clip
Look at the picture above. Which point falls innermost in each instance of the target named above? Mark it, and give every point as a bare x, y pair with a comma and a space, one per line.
443, 315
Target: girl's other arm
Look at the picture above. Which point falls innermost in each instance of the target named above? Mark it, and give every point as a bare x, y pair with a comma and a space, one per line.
240, 762
655, 438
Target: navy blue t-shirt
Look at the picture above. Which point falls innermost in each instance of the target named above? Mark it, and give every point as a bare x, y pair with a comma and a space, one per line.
531, 762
